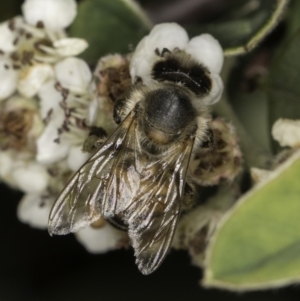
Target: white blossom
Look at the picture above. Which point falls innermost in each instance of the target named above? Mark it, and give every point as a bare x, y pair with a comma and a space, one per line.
70, 46
34, 209
7, 38
216, 91
73, 74
50, 99
207, 50
30, 177
204, 48
54, 14
32, 78
287, 132
76, 158
49, 148
100, 240
166, 35
8, 77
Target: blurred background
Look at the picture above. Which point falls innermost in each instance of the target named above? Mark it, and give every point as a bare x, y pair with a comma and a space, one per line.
35, 266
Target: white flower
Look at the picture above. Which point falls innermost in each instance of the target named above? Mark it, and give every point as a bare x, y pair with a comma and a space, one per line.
30, 177
34, 209
73, 74
76, 158
50, 99
49, 147
100, 240
68, 108
54, 14
207, 50
287, 132
7, 38
204, 48
8, 77
166, 35
32, 78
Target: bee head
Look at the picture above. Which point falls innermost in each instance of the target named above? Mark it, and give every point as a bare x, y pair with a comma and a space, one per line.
168, 112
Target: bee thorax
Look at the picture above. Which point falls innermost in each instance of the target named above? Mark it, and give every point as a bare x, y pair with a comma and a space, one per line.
168, 111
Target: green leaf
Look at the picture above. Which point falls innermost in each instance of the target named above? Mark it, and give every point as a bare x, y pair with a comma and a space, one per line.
245, 28
109, 27
258, 244
283, 84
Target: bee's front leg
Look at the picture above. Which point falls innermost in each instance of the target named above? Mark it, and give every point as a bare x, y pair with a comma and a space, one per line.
95, 140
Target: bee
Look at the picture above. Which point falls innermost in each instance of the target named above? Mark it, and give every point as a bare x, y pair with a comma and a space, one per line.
137, 178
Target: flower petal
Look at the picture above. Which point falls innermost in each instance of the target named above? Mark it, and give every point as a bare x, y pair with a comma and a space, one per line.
100, 240
34, 210
207, 50
166, 35
50, 150
31, 177
216, 91
76, 157
8, 78
73, 74
54, 14
32, 78
7, 38
50, 99
70, 46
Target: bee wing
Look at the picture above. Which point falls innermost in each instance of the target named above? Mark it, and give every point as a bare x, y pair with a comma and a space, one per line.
153, 216
93, 191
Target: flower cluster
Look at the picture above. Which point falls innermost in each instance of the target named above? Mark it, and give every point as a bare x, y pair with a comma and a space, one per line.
50, 101
46, 104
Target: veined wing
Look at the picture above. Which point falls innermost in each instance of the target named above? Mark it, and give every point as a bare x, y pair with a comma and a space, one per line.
153, 214
99, 184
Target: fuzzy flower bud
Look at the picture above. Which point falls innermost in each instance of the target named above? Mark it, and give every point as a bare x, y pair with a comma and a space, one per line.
222, 161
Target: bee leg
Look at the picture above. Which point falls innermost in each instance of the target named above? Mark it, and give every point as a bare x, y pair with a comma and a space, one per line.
208, 143
95, 140
188, 197
118, 110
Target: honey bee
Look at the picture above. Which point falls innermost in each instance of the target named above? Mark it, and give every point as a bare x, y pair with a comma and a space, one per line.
137, 178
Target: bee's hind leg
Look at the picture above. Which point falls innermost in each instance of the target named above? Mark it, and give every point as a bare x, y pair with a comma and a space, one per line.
188, 201
95, 140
